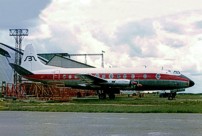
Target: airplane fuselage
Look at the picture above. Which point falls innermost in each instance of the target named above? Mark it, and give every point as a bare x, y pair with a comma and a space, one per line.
123, 79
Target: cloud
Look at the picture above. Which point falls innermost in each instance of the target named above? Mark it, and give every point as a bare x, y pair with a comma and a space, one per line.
120, 29
20, 13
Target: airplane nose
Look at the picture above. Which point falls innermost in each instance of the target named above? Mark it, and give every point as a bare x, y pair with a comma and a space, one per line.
191, 83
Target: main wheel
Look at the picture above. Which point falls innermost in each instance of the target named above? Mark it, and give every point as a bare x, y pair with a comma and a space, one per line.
170, 96
102, 96
111, 96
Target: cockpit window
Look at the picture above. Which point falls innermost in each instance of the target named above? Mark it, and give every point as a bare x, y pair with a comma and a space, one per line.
176, 72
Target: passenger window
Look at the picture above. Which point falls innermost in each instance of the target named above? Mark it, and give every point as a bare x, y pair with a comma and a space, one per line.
70, 76
124, 76
97, 75
158, 76
111, 76
145, 76
103, 76
132, 76
64, 76
118, 76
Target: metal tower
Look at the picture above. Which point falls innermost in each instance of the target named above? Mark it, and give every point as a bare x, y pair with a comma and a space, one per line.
18, 35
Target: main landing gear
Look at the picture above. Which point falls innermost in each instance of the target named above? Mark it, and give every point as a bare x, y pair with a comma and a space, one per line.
102, 94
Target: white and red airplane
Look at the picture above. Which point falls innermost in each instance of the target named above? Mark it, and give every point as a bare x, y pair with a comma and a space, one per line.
106, 81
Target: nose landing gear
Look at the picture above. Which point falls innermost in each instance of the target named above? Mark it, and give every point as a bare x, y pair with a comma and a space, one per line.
171, 96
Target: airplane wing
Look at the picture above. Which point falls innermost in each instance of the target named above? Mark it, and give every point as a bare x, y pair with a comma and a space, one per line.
90, 79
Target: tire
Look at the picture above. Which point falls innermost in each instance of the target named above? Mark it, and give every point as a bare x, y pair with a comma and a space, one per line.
111, 96
102, 96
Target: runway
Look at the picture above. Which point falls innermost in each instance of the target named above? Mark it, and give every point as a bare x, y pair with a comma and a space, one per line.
98, 124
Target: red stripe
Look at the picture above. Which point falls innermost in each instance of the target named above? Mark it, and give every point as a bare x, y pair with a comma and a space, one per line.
141, 76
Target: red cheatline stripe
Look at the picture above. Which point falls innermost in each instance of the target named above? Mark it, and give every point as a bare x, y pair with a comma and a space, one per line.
139, 76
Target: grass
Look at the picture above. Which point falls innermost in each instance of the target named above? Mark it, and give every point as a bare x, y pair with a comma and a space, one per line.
122, 104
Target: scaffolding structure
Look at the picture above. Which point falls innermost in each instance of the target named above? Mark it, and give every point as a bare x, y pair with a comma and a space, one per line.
41, 91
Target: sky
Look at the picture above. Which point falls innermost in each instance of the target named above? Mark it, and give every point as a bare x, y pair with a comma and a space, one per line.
157, 33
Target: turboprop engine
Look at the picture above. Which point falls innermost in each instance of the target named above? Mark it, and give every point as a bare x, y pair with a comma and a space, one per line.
118, 83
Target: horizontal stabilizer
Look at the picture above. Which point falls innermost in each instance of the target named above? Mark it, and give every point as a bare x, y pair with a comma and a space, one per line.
4, 53
20, 70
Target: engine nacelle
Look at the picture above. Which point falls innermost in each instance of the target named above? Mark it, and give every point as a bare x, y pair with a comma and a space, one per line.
118, 83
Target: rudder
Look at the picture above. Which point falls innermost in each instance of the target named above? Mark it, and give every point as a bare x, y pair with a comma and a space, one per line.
30, 60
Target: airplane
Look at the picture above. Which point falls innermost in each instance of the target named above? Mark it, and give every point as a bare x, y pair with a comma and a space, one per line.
106, 81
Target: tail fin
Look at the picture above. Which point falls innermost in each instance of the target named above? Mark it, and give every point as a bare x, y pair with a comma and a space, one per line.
30, 60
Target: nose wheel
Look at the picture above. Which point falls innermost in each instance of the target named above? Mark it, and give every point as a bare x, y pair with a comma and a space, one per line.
171, 96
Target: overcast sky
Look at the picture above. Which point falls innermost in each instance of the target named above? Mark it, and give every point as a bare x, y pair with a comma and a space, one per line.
156, 33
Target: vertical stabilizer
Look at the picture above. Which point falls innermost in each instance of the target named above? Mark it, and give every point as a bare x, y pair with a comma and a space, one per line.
30, 60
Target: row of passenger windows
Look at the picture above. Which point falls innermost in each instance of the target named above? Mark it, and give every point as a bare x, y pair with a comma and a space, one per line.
125, 76
117, 76
110, 76
64, 76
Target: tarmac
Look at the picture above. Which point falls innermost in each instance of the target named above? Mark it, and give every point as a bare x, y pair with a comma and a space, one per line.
14, 123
